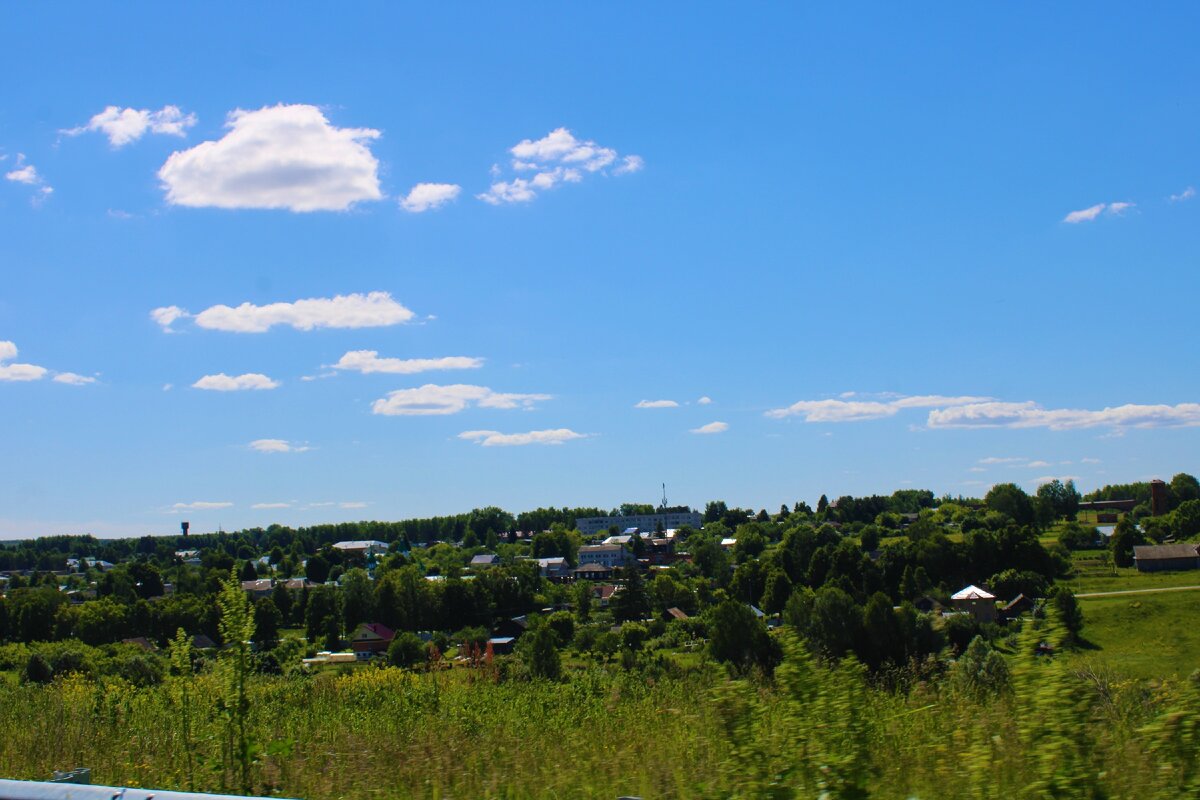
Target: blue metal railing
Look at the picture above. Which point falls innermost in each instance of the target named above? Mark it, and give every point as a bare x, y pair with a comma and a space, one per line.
38, 790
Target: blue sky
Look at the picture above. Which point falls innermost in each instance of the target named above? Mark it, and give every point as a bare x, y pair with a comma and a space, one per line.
939, 247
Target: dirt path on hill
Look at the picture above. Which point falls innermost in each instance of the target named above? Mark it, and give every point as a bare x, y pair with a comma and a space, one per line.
1139, 591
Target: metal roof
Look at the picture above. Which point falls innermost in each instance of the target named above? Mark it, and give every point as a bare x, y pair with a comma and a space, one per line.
972, 592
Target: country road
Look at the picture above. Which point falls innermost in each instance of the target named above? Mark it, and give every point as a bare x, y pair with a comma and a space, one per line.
1138, 591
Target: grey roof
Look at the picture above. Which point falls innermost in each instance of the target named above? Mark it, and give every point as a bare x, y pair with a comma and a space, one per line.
1157, 552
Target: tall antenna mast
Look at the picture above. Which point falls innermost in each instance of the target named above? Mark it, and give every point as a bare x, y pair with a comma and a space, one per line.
664, 500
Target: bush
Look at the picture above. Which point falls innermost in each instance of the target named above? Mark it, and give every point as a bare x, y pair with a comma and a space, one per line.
142, 670
406, 650
37, 670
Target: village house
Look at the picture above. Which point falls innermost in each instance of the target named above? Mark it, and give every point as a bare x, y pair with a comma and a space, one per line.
372, 637
975, 601
258, 588
554, 568
1160, 557
485, 560
593, 572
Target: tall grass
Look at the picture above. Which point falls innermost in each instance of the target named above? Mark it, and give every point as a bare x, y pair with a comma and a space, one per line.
809, 732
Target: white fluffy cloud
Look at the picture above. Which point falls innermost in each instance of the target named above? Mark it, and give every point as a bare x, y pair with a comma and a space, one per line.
261, 506
1186, 194
200, 505
497, 439
27, 174
1092, 212
167, 315
71, 379
277, 446
432, 399
705, 400
656, 404
226, 383
858, 410
428, 196
373, 310
125, 125
284, 156
712, 427
17, 372
1031, 415
558, 157
368, 361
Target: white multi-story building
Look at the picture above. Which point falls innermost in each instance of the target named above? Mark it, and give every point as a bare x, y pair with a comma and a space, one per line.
606, 555
590, 526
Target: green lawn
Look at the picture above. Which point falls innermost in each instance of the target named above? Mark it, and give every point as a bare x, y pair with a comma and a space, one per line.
1150, 636
1098, 580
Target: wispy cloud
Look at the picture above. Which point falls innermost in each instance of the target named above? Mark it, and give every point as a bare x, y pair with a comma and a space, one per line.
200, 505
373, 310
712, 427
125, 125
262, 506
703, 401
429, 196
859, 410
278, 157
558, 157
1092, 212
277, 446
1031, 415
71, 379
1186, 194
226, 383
368, 361
656, 404
1001, 460
432, 399
555, 436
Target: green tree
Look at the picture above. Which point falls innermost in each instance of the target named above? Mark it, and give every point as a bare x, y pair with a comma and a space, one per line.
358, 599
538, 649
563, 625
777, 592
267, 622
980, 671
406, 650
1069, 612
317, 569
281, 596
738, 638
632, 601
582, 592
321, 620
1012, 501
1125, 537
1184, 487
1063, 497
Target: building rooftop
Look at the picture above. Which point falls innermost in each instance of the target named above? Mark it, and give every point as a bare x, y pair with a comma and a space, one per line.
972, 592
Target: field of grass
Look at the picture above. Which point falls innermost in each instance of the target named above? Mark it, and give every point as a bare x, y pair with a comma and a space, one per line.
604, 732
1124, 578
1145, 636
